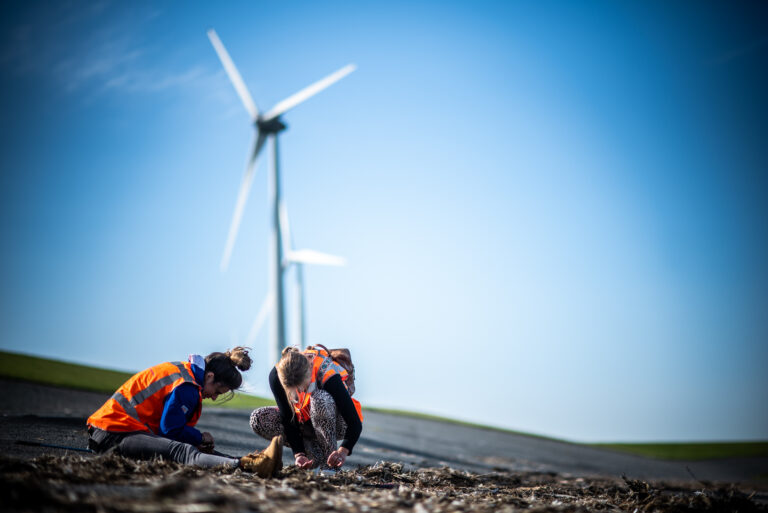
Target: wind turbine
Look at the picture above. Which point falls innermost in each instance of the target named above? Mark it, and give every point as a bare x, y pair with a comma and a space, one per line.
298, 258
266, 125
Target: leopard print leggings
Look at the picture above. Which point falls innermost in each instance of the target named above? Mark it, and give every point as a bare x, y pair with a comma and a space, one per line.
320, 438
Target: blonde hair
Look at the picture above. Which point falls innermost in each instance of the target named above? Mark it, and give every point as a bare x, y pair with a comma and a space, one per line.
293, 369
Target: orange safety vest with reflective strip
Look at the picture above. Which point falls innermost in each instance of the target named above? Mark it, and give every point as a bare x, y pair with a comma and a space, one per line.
138, 403
323, 367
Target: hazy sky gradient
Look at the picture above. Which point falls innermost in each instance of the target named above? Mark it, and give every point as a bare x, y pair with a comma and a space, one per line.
554, 212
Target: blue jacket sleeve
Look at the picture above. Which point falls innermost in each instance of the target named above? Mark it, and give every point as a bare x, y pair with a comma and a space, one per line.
180, 404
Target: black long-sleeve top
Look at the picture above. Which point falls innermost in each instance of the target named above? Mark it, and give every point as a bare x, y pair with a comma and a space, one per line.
344, 406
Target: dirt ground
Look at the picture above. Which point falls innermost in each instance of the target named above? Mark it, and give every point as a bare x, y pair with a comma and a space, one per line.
398, 466
115, 484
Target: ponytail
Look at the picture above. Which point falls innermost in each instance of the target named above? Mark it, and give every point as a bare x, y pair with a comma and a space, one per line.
239, 357
226, 366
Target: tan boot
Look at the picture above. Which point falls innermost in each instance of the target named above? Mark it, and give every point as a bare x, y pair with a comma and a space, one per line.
265, 463
275, 452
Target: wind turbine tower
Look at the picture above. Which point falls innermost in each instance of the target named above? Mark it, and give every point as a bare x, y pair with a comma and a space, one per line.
268, 125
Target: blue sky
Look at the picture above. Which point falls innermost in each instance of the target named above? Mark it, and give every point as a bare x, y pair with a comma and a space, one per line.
554, 213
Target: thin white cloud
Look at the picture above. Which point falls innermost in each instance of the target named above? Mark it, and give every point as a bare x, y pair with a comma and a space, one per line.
97, 64
106, 50
79, 52
145, 80
73, 13
43, 32
120, 63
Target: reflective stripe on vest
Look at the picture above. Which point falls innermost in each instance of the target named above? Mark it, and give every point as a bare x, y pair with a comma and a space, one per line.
131, 409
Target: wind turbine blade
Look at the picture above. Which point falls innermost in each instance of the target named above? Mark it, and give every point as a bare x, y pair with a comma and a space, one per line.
242, 197
310, 256
258, 322
234, 75
308, 92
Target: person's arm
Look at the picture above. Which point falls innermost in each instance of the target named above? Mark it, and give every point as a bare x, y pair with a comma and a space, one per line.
290, 425
179, 406
346, 408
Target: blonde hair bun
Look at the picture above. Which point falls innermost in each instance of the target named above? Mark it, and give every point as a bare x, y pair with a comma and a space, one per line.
289, 349
240, 358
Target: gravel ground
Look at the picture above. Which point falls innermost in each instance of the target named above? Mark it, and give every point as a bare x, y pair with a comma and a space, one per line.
115, 484
400, 464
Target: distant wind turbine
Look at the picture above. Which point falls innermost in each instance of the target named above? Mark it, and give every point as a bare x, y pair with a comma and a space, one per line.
282, 254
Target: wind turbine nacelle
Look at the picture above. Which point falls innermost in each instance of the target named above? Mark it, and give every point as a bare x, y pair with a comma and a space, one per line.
271, 126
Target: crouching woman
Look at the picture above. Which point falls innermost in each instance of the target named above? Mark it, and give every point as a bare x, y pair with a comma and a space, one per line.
155, 411
314, 408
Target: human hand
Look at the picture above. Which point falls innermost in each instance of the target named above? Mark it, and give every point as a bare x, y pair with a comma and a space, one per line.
338, 457
302, 461
207, 444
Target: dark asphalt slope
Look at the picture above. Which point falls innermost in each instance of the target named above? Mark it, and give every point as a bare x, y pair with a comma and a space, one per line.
55, 415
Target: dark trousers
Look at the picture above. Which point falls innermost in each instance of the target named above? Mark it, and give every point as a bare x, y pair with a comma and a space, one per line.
145, 446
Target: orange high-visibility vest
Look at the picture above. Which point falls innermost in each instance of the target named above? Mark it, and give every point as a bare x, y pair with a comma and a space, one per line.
323, 367
138, 403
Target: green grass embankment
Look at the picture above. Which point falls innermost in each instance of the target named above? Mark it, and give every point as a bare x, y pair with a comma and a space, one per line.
83, 377
692, 451
63, 374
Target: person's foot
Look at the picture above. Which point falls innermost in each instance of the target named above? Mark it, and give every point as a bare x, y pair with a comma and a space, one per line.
265, 463
275, 452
